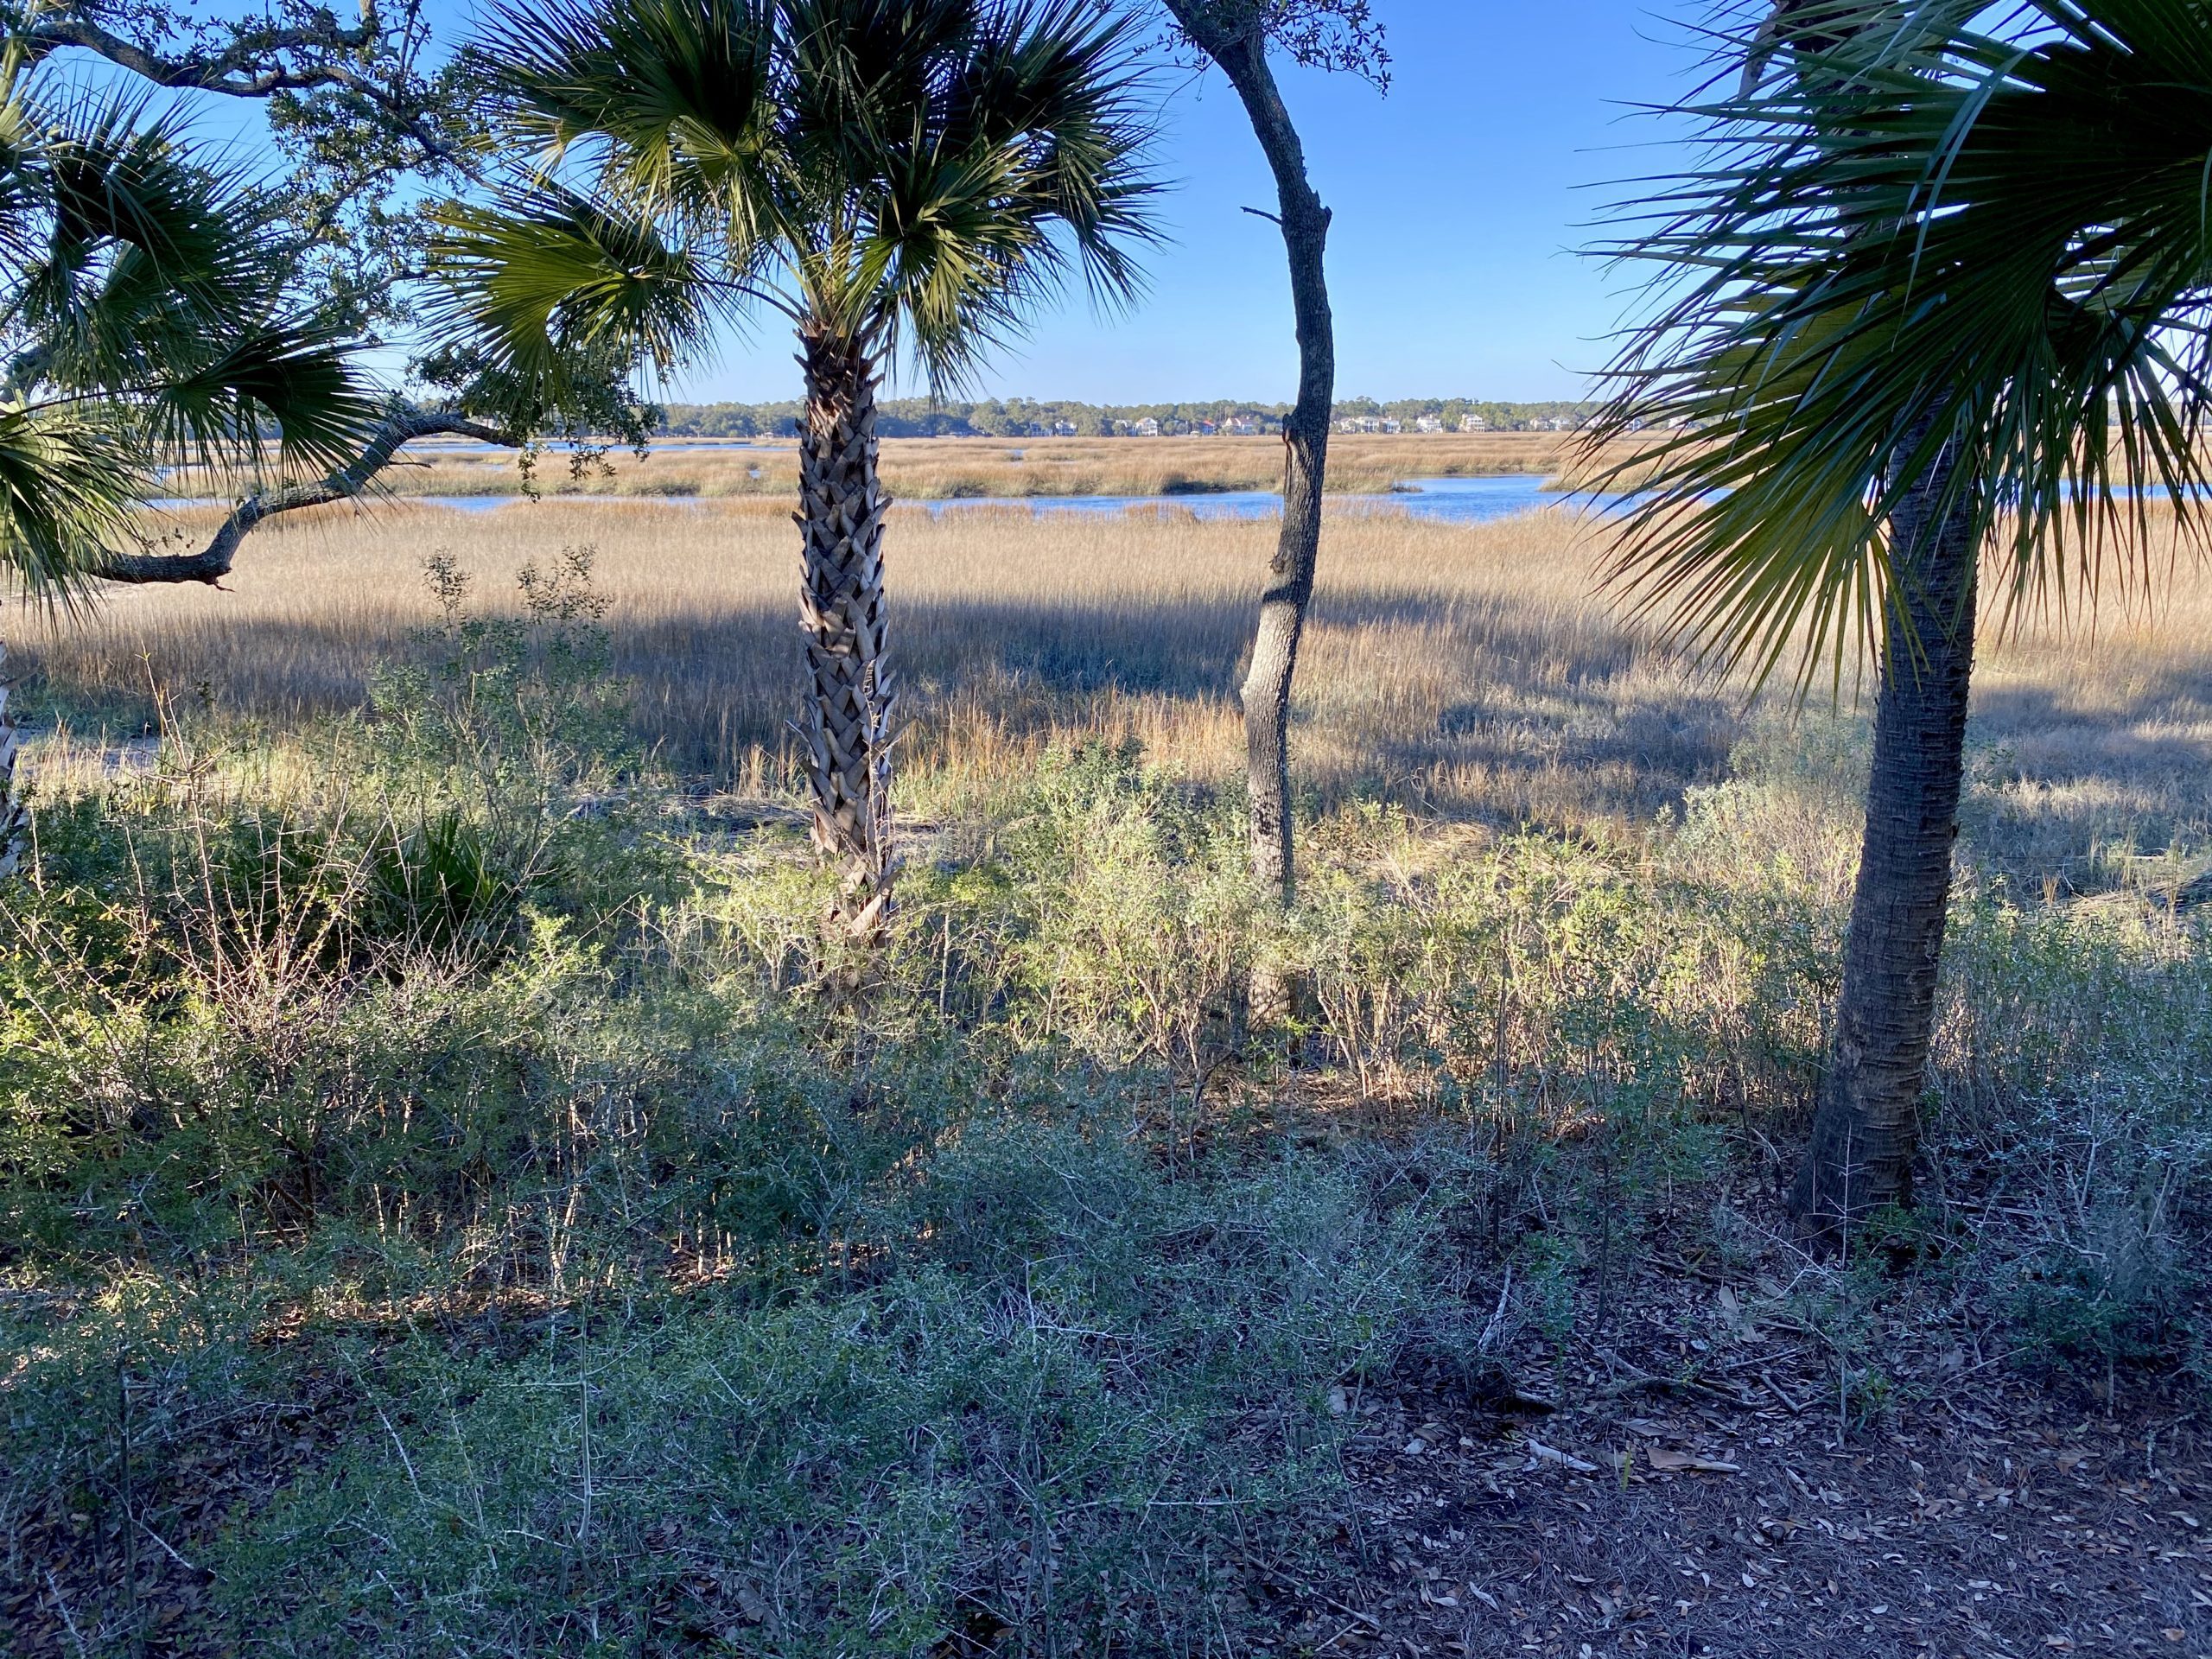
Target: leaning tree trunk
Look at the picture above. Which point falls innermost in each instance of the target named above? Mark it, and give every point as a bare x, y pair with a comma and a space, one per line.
1866, 1123
1240, 46
848, 730
14, 819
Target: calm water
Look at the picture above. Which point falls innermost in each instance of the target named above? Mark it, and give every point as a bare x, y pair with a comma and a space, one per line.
1453, 500
463, 449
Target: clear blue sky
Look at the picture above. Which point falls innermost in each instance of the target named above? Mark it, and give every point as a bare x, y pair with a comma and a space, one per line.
1459, 200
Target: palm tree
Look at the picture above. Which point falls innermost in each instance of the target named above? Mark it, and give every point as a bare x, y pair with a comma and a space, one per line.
894, 176
145, 322
1938, 302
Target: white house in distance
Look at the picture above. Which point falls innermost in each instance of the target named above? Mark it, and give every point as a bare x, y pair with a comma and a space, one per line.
1428, 423
1146, 427
1473, 424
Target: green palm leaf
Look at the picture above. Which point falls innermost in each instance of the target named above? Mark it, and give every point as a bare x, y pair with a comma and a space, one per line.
69, 486
1928, 249
145, 320
909, 173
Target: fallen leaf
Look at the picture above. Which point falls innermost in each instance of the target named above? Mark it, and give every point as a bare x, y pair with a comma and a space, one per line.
1660, 1457
1553, 1454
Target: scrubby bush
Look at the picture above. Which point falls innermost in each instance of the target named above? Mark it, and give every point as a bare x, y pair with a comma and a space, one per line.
661, 1292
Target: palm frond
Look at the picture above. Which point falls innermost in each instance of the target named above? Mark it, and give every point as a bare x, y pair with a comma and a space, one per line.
1918, 242
675, 95
914, 174
548, 276
150, 322
291, 375
69, 484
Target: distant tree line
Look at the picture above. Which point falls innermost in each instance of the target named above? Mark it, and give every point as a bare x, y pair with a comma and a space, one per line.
1024, 417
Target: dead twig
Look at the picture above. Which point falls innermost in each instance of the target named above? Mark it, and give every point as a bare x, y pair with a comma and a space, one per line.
1795, 1408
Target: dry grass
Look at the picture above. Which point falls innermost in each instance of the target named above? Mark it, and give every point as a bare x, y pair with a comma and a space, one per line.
1465, 669
940, 469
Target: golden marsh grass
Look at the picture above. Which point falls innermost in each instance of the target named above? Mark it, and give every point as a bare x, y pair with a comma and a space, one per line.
939, 469
1469, 671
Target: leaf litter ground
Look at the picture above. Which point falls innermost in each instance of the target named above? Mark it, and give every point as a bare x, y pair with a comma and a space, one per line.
1753, 1512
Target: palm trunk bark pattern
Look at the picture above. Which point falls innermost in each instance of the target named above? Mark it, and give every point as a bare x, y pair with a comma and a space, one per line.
1866, 1125
849, 729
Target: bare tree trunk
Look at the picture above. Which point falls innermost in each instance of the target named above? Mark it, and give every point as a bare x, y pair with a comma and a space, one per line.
849, 730
15, 818
1866, 1125
1236, 38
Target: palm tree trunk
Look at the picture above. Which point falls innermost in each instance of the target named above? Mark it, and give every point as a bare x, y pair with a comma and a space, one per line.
14, 819
1866, 1123
848, 731
1236, 40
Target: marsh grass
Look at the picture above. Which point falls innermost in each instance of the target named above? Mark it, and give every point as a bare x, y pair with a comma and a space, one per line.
944, 469
1468, 671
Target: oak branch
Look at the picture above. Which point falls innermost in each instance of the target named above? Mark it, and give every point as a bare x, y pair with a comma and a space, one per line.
212, 563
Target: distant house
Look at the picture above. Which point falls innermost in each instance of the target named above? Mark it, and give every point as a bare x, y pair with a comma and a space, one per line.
1207, 428
1473, 424
1146, 427
1428, 423
1387, 424
1063, 429
1241, 426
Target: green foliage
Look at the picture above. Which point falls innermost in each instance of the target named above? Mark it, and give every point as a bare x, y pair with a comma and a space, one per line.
1932, 242
519, 713
1009, 1300
146, 319
905, 181
1052, 1447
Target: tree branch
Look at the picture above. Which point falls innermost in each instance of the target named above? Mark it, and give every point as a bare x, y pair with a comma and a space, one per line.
251, 67
213, 562
254, 65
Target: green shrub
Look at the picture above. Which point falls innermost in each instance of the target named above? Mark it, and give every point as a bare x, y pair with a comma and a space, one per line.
1081, 1414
